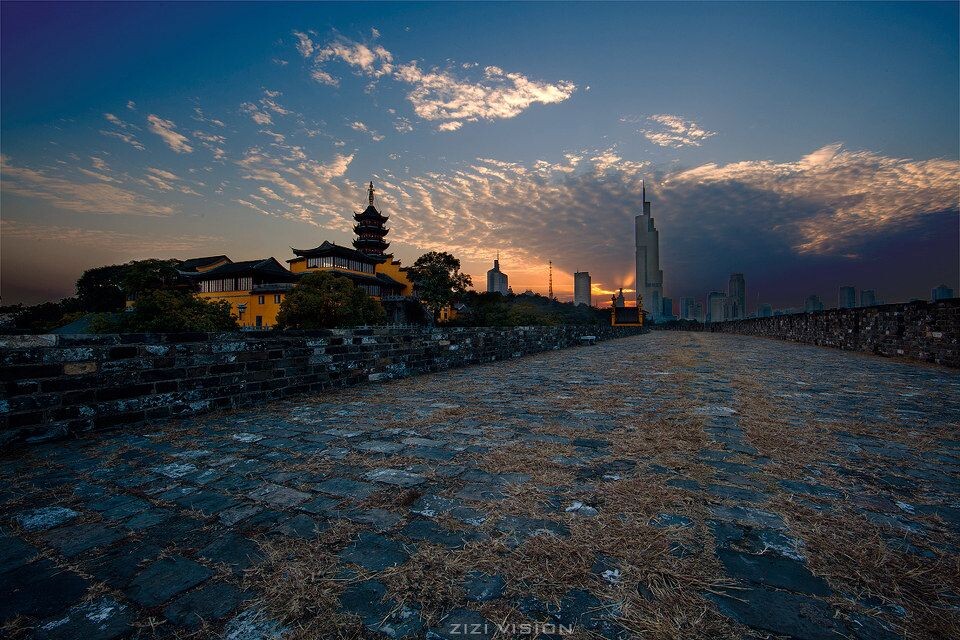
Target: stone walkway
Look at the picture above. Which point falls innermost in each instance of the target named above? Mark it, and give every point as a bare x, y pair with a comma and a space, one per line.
663, 486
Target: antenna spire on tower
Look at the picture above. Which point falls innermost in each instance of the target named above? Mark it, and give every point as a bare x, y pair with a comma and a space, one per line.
370, 193
550, 290
643, 183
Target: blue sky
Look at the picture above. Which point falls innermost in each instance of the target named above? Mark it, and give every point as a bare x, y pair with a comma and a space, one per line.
803, 144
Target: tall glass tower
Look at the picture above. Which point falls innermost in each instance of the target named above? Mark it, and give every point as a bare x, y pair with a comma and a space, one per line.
649, 275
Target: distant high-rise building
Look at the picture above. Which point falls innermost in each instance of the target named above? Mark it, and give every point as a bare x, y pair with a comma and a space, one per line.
698, 312
737, 297
764, 310
496, 279
667, 312
868, 297
581, 288
688, 308
716, 306
649, 275
813, 303
942, 292
847, 299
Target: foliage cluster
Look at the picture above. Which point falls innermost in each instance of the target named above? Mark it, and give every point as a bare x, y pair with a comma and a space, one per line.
163, 302
437, 280
325, 300
497, 310
168, 311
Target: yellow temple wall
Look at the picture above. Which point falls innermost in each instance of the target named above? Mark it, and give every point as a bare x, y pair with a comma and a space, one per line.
392, 270
267, 311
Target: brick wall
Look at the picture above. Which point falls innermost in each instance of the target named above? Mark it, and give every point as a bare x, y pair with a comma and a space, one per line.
53, 386
927, 331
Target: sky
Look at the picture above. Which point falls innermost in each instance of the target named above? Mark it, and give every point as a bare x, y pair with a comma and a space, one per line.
807, 146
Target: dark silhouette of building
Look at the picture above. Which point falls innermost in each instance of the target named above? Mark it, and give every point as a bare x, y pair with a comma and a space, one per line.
737, 297
371, 230
496, 279
813, 303
942, 292
847, 298
649, 275
582, 291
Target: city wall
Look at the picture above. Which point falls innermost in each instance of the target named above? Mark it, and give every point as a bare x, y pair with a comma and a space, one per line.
53, 386
927, 331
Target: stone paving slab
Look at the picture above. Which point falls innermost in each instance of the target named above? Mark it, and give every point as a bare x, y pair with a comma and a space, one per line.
712, 485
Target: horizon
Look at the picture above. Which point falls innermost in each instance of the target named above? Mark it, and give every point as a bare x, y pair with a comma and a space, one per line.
523, 131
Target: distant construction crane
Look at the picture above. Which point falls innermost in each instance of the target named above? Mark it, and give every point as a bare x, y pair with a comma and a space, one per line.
550, 291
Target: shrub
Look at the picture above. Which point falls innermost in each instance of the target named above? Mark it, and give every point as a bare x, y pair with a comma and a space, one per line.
325, 300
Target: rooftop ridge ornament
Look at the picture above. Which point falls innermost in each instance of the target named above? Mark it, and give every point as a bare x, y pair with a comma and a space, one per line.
370, 193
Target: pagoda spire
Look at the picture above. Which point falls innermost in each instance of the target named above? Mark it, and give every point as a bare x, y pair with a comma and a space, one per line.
370, 230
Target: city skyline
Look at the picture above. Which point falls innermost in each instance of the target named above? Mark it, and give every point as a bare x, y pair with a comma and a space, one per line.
263, 136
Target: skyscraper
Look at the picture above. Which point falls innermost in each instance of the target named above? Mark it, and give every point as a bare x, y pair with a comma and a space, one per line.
868, 297
688, 308
668, 309
737, 295
581, 288
649, 275
764, 310
698, 312
847, 299
496, 279
942, 292
716, 306
813, 303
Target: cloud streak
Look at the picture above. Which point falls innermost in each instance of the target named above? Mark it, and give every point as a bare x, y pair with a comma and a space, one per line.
136, 245
440, 95
166, 130
84, 197
835, 196
672, 131
123, 131
826, 205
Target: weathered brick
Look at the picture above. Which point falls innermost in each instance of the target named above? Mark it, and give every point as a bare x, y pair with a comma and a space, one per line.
79, 368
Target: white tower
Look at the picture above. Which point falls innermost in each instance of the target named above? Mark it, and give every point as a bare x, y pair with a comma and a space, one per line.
649, 275
581, 288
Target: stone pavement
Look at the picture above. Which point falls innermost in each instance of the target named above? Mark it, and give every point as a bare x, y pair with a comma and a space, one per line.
662, 486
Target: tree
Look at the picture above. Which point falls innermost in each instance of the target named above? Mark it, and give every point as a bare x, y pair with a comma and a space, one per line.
106, 289
100, 289
149, 275
325, 300
437, 280
167, 310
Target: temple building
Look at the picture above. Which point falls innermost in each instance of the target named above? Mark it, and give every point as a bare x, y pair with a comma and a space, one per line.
370, 274
256, 288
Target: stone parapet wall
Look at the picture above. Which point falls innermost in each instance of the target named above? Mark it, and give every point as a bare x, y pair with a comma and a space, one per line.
927, 331
53, 386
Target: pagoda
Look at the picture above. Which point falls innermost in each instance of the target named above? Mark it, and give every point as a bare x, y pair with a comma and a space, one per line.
371, 231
